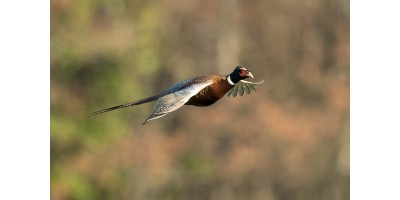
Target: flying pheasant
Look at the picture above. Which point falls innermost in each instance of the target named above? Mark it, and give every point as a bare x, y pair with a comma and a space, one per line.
197, 91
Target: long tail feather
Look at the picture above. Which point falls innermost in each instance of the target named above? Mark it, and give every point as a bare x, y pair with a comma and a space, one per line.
146, 100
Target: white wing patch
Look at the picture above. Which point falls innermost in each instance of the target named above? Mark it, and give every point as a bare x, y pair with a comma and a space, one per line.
241, 87
173, 101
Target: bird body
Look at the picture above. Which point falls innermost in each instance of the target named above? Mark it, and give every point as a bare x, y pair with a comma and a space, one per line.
212, 93
197, 91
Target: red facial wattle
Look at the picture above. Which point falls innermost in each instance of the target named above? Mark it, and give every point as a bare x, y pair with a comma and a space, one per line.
243, 73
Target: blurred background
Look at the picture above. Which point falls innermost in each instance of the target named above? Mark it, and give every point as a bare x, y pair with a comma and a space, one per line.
288, 140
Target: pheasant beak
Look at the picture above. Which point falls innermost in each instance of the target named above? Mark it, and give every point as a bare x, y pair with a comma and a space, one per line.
250, 75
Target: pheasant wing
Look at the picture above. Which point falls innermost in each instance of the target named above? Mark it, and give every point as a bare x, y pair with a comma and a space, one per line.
176, 99
242, 87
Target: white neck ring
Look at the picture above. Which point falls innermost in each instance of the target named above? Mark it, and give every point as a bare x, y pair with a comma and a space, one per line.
230, 81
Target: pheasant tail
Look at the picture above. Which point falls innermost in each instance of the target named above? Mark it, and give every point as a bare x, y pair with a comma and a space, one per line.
138, 102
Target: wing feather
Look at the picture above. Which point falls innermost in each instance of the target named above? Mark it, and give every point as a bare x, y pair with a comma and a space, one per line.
175, 100
241, 87
247, 89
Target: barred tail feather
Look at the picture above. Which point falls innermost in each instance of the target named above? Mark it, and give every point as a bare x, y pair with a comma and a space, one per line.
146, 100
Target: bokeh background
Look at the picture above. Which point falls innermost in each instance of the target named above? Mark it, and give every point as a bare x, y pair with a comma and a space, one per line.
288, 140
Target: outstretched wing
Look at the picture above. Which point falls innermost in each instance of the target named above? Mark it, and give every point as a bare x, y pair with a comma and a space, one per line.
176, 99
241, 87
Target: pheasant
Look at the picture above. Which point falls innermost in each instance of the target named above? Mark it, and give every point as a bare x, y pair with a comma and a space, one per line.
197, 91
